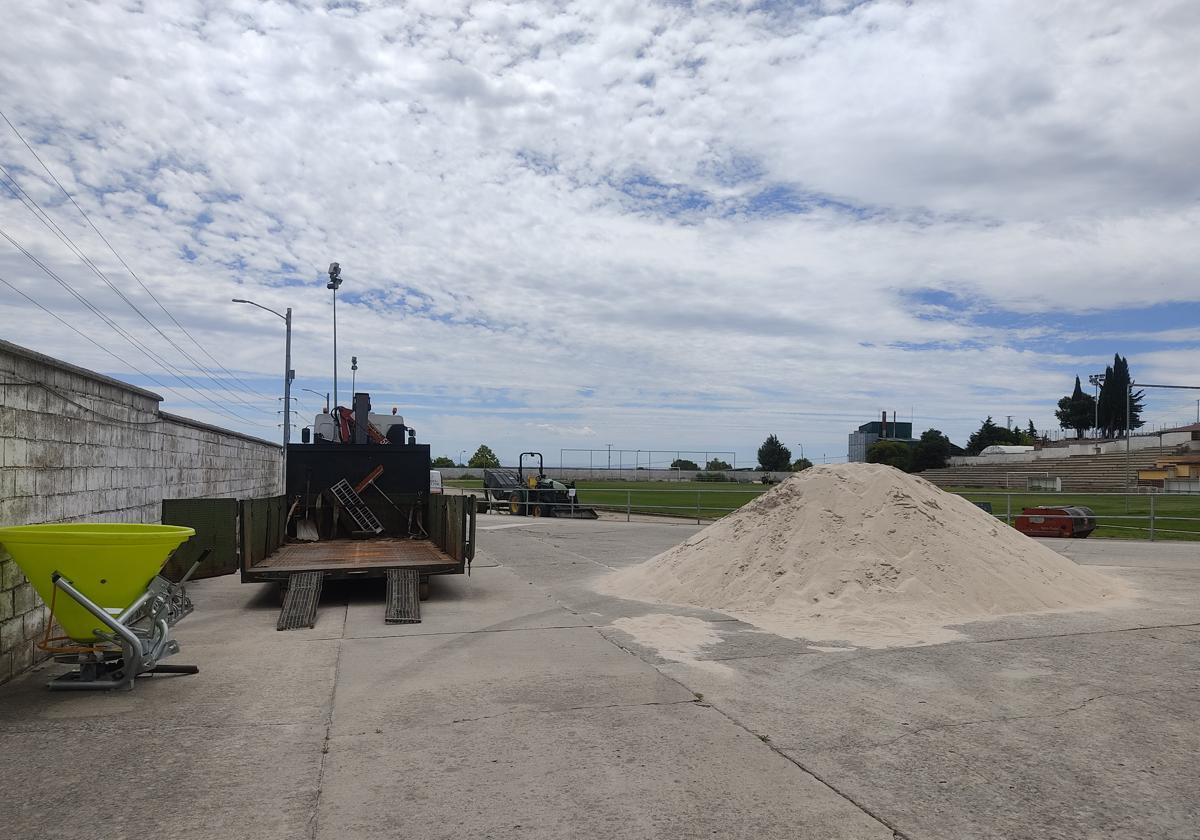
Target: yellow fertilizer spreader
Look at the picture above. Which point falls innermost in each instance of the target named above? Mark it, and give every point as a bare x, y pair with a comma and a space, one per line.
102, 584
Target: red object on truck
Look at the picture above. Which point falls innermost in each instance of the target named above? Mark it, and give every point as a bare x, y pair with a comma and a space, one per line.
1070, 521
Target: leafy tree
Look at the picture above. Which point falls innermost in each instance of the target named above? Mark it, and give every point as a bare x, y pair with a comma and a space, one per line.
990, 434
684, 464
801, 464
441, 461
717, 465
1032, 431
484, 457
1112, 399
773, 456
931, 452
1076, 411
890, 452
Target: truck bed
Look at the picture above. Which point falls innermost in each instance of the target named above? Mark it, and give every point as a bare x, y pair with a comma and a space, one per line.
353, 558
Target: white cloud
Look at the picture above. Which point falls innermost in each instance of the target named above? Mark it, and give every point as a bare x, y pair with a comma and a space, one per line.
531, 201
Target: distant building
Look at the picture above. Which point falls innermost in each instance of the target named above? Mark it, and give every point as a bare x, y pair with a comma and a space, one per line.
877, 430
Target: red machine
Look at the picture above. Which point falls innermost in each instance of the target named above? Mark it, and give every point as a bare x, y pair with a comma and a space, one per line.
1073, 521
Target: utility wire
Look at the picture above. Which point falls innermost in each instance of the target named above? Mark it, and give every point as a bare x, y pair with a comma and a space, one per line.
120, 330
121, 259
41, 215
104, 349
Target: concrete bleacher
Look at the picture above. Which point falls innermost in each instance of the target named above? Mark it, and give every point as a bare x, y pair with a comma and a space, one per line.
1079, 473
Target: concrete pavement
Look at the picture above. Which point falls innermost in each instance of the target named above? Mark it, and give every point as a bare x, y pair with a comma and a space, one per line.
1078, 725
525, 705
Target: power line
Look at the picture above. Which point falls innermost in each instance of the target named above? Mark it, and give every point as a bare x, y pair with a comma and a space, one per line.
41, 215
119, 329
104, 349
121, 259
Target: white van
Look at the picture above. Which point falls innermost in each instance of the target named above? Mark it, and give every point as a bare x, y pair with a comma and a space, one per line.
435, 481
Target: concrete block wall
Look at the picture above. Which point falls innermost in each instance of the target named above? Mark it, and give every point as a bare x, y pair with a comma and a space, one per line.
79, 446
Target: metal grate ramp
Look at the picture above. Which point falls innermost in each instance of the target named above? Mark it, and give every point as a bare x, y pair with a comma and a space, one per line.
403, 597
300, 602
353, 504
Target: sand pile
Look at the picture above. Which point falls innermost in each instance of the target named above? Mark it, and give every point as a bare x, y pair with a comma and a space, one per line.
866, 554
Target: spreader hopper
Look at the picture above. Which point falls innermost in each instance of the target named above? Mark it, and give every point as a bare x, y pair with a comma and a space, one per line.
102, 585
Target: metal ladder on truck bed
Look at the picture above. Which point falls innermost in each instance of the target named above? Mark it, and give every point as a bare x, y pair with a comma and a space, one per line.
356, 507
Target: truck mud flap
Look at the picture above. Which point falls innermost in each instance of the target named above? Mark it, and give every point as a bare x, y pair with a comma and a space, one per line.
403, 597
300, 602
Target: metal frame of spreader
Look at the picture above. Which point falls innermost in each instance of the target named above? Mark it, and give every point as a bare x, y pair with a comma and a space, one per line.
141, 631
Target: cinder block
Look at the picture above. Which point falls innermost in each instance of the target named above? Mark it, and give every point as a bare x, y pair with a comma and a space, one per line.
50, 481
24, 481
15, 396
6, 671
6, 605
25, 598
76, 505
42, 508
16, 452
35, 623
15, 511
10, 573
12, 633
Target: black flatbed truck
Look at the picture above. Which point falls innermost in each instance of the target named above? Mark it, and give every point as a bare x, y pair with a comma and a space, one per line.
420, 535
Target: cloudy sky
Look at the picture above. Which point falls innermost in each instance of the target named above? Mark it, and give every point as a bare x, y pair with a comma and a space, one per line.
659, 225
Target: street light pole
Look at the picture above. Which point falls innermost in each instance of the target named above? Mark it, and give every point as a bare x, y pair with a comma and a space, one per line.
324, 396
353, 371
288, 376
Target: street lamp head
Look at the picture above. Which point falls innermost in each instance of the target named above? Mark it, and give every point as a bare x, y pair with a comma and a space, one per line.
335, 276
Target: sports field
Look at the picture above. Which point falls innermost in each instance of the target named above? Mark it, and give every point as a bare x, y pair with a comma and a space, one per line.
1120, 517
665, 498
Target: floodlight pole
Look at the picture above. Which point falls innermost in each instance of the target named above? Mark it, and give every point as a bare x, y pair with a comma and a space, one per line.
335, 388
335, 280
1096, 379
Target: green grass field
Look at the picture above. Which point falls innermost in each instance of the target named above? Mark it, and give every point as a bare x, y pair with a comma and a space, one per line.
1120, 517
665, 498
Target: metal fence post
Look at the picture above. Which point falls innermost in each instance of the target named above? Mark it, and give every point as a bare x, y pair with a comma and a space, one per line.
1151, 517
628, 503
1008, 508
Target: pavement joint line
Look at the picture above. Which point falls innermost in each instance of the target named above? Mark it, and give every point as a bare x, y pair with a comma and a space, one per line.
896, 833
314, 818
867, 745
